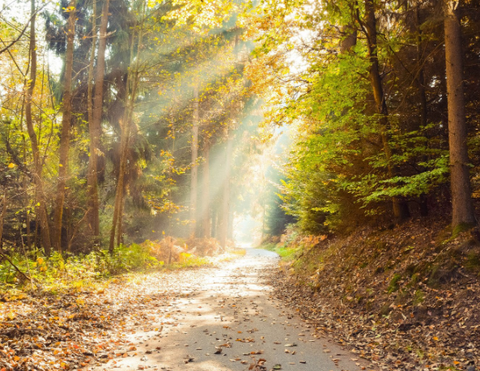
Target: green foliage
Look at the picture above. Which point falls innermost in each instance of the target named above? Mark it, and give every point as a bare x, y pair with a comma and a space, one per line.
337, 167
127, 258
76, 271
188, 261
462, 227
393, 285
287, 253
419, 297
473, 261
269, 246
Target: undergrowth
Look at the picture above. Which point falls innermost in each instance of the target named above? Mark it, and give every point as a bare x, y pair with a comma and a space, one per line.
58, 273
288, 252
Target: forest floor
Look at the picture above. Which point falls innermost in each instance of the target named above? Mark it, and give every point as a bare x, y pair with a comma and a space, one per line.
210, 318
405, 298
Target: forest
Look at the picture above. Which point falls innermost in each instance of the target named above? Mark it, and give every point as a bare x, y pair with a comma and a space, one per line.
158, 134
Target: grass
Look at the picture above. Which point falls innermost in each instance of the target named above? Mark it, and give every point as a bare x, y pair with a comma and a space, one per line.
268, 246
286, 253
92, 272
393, 286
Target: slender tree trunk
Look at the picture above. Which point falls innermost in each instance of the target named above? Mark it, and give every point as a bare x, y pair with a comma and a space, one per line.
225, 211
231, 216
118, 205
2, 216
422, 98
421, 74
206, 225
91, 66
92, 163
400, 207
194, 174
41, 207
65, 133
125, 126
95, 126
462, 207
120, 214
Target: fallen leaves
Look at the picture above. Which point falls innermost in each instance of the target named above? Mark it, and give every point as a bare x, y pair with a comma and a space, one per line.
397, 321
75, 330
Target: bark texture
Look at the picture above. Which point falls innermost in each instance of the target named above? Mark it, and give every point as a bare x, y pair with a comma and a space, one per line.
462, 207
65, 132
126, 128
225, 211
194, 174
41, 209
206, 223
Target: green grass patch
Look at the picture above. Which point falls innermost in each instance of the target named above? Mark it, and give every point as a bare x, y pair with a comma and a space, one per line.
268, 246
418, 298
393, 286
57, 273
286, 253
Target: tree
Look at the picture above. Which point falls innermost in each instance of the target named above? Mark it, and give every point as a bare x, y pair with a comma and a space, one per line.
400, 208
37, 161
95, 122
194, 172
126, 127
65, 133
462, 207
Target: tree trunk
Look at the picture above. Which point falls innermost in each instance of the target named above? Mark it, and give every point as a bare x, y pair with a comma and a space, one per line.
423, 100
65, 134
92, 187
120, 212
225, 211
462, 207
2, 216
230, 219
400, 207
95, 126
118, 206
194, 174
125, 126
206, 225
41, 209
90, 67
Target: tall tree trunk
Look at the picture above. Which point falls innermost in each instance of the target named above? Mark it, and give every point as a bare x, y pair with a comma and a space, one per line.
41, 207
120, 216
91, 67
95, 126
65, 134
225, 211
118, 206
194, 174
2, 216
462, 208
400, 207
206, 225
422, 98
125, 126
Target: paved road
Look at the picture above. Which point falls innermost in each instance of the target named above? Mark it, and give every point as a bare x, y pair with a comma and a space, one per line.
231, 313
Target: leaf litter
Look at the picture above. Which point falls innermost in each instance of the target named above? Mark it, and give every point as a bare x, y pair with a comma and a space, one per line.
403, 299
83, 329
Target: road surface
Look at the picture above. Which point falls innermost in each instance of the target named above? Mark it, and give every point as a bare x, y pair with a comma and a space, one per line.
229, 322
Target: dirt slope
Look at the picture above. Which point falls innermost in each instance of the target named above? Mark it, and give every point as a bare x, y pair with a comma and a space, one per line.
406, 299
